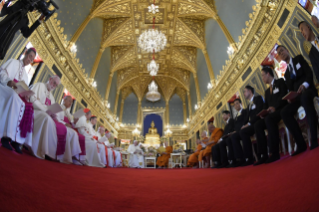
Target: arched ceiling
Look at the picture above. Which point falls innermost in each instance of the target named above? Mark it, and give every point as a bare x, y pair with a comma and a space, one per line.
182, 21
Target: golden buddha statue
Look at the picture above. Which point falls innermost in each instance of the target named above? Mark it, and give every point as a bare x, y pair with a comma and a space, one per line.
152, 138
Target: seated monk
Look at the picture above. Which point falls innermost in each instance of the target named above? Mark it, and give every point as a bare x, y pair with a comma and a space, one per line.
162, 161
193, 159
16, 113
216, 134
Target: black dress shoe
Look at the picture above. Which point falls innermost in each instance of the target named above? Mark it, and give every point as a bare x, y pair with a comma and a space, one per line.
216, 165
313, 145
248, 162
235, 163
224, 165
261, 161
6, 143
16, 147
273, 158
299, 150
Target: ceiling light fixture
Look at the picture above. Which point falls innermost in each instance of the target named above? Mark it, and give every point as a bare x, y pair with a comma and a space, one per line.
153, 67
153, 95
152, 41
153, 9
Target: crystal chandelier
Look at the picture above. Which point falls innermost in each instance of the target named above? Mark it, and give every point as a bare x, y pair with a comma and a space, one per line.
153, 95
153, 67
152, 40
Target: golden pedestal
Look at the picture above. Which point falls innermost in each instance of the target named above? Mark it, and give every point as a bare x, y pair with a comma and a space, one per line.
152, 140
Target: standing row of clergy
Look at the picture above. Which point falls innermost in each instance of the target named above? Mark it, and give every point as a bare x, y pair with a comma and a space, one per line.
26, 120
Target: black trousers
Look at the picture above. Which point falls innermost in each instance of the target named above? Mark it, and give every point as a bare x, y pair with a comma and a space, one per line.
238, 150
288, 112
245, 135
270, 123
219, 151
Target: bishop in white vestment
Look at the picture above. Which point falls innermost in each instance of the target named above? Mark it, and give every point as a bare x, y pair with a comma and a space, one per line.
136, 156
101, 147
72, 146
49, 136
16, 114
91, 147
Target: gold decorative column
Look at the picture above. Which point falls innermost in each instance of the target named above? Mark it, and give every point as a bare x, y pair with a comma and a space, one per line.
116, 101
209, 66
108, 87
139, 109
167, 112
189, 105
184, 111
79, 31
197, 89
121, 110
226, 32
96, 62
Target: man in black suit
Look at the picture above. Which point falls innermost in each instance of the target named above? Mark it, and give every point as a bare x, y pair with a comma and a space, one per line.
230, 126
308, 34
273, 104
299, 78
245, 154
238, 123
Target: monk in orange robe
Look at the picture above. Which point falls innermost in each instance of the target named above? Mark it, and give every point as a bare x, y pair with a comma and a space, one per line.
216, 134
162, 161
194, 158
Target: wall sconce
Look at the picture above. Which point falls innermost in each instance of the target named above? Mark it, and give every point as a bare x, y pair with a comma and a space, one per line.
108, 105
196, 107
187, 120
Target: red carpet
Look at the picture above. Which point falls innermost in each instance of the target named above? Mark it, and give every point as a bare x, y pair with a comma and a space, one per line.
30, 184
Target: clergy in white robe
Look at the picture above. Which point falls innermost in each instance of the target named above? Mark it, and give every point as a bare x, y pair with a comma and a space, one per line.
101, 147
72, 148
118, 155
91, 147
49, 136
70, 122
109, 153
136, 155
16, 113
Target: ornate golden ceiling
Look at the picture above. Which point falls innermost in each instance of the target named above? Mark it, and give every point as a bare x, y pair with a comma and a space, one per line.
182, 21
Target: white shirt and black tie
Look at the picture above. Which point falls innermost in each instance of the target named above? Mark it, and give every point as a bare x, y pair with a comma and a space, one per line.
293, 72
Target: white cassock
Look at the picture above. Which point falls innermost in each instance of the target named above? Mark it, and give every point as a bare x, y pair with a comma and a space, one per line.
91, 146
44, 139
11, 105
110, 157
101, 147
136, 160
72, 145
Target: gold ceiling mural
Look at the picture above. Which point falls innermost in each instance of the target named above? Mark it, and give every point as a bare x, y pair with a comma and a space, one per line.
183, 23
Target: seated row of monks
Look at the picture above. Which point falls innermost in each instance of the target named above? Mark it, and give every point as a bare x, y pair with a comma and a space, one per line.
26, 120
249, 122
